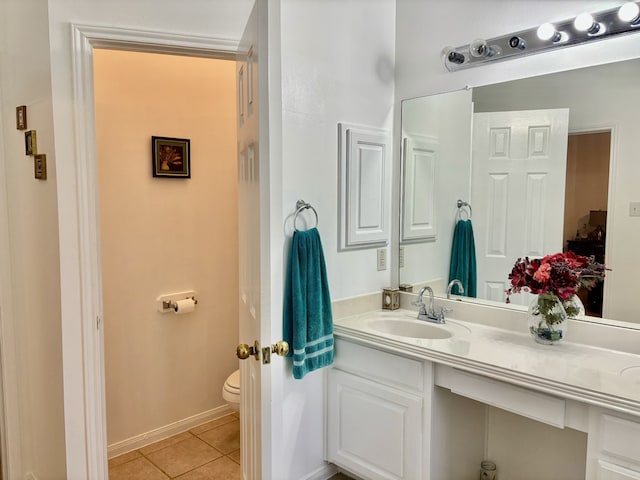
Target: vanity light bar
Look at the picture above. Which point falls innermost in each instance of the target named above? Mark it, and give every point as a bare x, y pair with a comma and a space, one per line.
583, 28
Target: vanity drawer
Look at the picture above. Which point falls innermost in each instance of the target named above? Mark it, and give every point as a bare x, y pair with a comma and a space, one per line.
620, 438
378, 365
522, 401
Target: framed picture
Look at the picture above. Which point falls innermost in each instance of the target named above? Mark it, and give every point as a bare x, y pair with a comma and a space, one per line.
171, 157
21, 117
30, 144
40, 166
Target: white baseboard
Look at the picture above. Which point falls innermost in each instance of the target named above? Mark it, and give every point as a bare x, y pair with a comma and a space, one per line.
323, 473
161, 433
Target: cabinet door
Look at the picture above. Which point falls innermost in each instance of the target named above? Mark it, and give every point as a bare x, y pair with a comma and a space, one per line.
373, 430
610, 471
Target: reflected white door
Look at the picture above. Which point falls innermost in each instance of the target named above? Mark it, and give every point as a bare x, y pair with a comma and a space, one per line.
251, 426
519, 167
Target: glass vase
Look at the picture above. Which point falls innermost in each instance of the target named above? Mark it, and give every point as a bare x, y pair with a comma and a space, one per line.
547, 319
574, 307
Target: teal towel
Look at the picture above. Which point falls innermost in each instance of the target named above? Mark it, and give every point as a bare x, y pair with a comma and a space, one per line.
463, 258
308, 321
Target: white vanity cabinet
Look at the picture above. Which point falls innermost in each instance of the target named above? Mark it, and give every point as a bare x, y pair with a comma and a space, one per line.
614, 446
376, 404
433, 410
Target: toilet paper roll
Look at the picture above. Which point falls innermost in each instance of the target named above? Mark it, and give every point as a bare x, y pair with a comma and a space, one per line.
184, 306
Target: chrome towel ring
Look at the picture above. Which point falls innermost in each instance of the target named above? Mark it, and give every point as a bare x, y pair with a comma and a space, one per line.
301, 205
461, 204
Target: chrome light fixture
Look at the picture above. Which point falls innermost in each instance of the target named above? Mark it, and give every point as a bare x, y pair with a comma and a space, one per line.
583, 28
547, 31
585, 23
630, 13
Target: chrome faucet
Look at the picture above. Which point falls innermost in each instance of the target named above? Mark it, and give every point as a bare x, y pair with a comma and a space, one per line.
428, 313
453, 282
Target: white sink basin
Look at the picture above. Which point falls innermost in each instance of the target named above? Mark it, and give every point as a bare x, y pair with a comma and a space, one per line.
410, 328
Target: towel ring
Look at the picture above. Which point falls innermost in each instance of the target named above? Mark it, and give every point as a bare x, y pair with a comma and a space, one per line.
301, 205
461, 204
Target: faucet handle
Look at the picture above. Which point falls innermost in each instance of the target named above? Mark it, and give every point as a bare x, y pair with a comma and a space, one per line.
440, 312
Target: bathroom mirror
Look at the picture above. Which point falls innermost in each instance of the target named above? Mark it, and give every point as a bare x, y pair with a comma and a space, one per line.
546, 163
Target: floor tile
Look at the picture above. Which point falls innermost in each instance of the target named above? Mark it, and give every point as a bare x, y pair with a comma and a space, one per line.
183, 456
212, 424
138, 469
165, 443
220, 469
124, 458
225, 438
235, 456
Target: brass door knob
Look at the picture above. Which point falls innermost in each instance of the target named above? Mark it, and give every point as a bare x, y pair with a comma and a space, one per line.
280, 348
243, 351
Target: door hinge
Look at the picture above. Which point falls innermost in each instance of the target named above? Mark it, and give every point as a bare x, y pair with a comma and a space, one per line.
98, 322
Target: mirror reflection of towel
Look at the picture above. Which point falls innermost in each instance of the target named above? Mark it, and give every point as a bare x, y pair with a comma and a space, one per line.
308, 319
463, 259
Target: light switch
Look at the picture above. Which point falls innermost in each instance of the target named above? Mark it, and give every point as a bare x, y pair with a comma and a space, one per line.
634, 209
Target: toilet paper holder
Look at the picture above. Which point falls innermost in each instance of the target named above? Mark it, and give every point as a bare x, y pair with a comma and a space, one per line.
168, 303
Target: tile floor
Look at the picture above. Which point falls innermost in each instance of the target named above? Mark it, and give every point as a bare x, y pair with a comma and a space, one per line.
209, 451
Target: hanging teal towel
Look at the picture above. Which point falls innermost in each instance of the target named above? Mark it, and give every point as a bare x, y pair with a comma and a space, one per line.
463, 258
308, 321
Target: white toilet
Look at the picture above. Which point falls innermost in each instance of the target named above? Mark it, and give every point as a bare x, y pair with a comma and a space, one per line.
231, 391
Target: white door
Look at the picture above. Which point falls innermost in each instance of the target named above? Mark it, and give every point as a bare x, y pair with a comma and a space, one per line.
517, 192
249, 248
257, 403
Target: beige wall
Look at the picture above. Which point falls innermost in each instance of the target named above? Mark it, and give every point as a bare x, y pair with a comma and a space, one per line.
163, 235
587, 179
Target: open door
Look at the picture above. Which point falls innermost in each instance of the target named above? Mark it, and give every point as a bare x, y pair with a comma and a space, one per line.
255, 351
519, 168
249, 249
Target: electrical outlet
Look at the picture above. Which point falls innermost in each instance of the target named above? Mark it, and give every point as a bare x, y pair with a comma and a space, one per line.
382, 259
634, 209
401, 257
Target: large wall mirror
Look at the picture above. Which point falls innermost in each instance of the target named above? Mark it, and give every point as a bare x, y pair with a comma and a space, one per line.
546, 163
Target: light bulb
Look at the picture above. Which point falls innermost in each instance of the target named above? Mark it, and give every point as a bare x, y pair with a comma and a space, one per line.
547, 31
629, 12
585, 23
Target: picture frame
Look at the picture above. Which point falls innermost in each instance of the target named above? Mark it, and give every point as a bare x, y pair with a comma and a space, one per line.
40, 166
21, 117
171, 157
30, 143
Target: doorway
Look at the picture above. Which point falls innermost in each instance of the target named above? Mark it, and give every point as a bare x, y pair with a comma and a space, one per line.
165, 234
586, 204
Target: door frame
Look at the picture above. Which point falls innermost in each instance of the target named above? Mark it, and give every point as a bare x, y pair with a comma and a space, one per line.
83, 337
613, 167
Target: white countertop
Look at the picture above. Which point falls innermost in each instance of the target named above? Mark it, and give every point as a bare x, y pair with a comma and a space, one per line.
594, 375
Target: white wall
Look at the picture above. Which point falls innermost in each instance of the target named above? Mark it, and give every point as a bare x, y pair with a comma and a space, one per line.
604, 97
448, 119
31, 301
161, 235
337, 66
